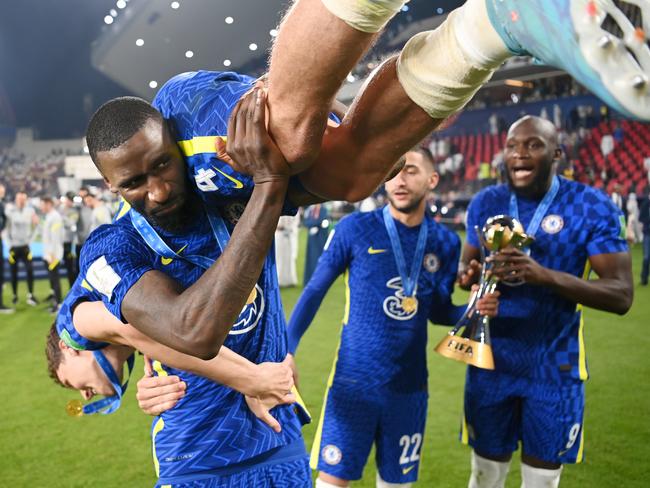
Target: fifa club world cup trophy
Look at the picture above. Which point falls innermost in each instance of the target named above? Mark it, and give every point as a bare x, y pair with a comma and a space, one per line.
473, 345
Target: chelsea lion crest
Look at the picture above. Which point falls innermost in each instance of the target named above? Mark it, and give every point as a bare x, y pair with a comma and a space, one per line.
552, 224
431, 263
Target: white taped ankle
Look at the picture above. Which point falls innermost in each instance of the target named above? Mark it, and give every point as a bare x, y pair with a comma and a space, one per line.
539, 477
365, 15
487, 473
437, 74
476, 36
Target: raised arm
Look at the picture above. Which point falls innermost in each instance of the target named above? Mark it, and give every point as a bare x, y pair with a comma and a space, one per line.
203, 314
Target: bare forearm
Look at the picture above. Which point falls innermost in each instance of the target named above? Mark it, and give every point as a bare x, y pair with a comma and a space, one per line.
382, 124
209, 307
227, 368
608, 294
303, 82
204, 313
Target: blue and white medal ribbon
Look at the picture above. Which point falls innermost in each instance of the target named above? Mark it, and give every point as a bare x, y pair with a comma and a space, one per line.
410, 281
540, 211
158, 245
109, 404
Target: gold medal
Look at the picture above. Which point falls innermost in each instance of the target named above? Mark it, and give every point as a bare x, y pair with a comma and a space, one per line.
409, 304
252, 296
74, 408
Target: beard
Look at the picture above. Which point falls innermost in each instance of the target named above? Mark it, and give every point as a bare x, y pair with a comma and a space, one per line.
538, 186
177, 221
406, 208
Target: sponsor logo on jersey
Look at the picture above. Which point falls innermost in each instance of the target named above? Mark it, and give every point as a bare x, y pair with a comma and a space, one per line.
332, 455
372, 250
102, 277
552, 224
393, 303
250, 314
431, 263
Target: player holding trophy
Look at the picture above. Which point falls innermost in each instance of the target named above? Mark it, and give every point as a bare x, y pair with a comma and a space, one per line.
535, 394
474, 345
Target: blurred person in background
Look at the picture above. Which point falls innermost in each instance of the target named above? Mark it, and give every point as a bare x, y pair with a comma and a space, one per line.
71, 215
316, 219
21, 222
535, 396
606, 145
100, 213
53, 236
85, 217
3, 222
617, 197
286, 250
644, 219
633, 231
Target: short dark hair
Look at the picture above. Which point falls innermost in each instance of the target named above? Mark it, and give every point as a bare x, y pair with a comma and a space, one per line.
47, 199
53, 353
425, 153
116, 121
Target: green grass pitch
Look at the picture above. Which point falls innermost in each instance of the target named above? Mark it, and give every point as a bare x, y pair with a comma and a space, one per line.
40, 446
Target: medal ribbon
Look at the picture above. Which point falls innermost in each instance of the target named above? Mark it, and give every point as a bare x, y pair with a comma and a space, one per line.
409, 282
158, 245
541, 209
109, 404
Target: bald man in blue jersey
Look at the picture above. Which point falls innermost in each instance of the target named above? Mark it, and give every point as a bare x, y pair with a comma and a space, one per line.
535, 395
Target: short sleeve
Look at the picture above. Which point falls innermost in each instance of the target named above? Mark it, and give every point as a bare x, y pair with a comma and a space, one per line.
113, 259
80, 292
607, 229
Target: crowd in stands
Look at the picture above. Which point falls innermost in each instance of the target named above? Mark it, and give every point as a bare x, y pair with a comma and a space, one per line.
36, 176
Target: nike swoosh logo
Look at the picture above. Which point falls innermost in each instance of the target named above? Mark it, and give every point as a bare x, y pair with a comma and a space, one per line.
238, 184
168, 261
375, 251
407, 470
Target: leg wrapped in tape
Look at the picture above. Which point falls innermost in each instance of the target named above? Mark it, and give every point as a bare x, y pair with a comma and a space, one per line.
437, 74
365, 15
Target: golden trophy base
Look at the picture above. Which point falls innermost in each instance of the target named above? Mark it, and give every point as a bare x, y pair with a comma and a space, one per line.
467, 351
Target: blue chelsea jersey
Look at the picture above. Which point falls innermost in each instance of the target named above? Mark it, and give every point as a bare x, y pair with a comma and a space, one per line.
211, 427
198, 105
539, 333
382, 345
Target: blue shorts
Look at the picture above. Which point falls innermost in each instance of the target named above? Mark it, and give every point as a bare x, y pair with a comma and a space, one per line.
288, 467
501, 410
352, 421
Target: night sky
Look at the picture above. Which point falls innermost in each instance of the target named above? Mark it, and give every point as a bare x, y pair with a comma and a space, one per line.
45, 70
46, 79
